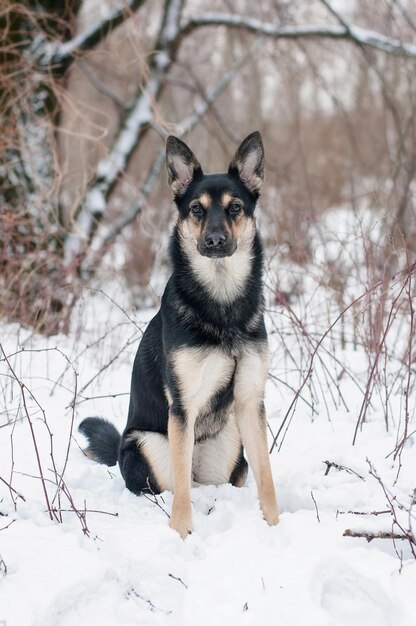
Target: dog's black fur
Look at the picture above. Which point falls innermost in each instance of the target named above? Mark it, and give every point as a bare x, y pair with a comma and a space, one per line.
217, 312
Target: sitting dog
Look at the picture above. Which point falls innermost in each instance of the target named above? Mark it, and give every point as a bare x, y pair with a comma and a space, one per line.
198, 378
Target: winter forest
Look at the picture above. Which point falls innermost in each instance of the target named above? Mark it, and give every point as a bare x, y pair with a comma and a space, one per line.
89, 92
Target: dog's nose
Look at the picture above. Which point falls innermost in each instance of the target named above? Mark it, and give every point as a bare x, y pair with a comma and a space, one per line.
215, 240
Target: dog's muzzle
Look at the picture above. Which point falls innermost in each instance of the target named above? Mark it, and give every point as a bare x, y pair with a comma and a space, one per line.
216, 244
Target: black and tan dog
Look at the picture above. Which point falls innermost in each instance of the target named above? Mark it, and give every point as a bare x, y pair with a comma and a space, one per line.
199, 374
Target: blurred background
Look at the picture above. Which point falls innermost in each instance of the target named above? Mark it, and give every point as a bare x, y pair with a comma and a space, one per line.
90, 89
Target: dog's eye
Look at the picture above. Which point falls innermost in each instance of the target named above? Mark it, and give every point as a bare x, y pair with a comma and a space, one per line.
197, 209
235, 207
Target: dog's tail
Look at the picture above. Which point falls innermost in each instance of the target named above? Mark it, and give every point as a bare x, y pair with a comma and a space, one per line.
103, 440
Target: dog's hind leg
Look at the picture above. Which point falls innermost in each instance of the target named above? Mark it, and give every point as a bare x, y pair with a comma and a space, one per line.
145, 462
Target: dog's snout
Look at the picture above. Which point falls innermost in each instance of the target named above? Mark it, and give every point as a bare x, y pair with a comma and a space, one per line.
215, 239
216, 243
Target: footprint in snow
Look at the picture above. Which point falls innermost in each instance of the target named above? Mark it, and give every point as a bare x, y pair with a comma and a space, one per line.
351, 598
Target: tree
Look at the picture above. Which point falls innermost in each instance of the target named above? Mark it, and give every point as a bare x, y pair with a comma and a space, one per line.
45, 252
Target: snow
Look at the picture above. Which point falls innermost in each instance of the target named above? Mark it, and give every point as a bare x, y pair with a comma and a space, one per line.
56, 53
360, 35
171, 25
110, 167
234, 569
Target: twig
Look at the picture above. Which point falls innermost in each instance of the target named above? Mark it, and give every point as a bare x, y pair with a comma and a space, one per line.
363, 512
107, 395
408, 270
8, 525
179, 580
401, 443
37, 454
407, 533
153, 607
81, 514
154, 499
366, 534
316, 507
89, 511
330, 464
368, 391
71, 428
100, 86
132, 339
3, 566
19, 495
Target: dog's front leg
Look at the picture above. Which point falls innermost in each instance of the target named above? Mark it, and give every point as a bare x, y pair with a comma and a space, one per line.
249, 384
181, 443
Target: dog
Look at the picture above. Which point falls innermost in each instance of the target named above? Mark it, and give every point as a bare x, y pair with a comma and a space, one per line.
199, 374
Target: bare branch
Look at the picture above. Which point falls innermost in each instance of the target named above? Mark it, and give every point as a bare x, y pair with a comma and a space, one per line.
330, 464
23, 389
129, 135
409, 19
140, 115
19, 495
58, 56
373, 535
385, 281
100, 86
316, 507
375, 513
370, 38
184, 127
352, 33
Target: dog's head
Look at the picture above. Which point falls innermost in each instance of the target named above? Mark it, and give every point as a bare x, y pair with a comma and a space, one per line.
216, 210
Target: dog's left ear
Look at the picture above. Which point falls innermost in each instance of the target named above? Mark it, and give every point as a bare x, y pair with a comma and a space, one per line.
248, 162
182, 165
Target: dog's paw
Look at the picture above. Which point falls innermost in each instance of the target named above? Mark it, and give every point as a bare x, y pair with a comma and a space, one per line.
268, 504
272, 518
181, 525
271, 515
181, 516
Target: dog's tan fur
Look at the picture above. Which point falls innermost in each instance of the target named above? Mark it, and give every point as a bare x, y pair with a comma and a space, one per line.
250, 379
225, 278
181, 441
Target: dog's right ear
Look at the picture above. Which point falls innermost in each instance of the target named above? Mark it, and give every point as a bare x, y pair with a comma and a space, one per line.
182, 165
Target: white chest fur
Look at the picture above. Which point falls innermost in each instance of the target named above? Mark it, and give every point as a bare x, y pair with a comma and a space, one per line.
201, 373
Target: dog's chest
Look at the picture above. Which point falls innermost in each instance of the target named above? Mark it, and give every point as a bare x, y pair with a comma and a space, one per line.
208, 380
201, 373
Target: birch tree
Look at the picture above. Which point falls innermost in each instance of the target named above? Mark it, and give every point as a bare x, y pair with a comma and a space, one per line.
43, 256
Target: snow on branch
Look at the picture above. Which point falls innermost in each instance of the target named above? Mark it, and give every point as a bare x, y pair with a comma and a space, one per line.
140, 116
108, 171
59, 55
183, 128
371, 38
352, 33
137, 119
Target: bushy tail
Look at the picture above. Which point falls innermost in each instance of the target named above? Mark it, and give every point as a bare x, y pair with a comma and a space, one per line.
103, 440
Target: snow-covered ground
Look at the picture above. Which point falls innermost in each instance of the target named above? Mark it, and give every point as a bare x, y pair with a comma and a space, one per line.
129, 568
